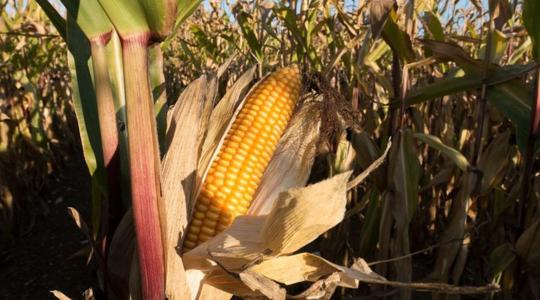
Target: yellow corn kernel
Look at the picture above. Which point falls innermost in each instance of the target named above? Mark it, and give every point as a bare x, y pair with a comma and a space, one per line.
244, 155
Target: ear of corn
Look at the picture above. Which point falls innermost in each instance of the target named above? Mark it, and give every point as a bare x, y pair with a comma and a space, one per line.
235, 173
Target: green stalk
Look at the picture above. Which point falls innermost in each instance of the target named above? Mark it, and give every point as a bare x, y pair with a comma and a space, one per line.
112, 208
144, 164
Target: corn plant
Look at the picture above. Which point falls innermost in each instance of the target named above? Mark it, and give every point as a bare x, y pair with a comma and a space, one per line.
436, 99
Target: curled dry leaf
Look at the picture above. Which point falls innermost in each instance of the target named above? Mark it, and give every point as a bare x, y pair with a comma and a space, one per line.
262, 284
322, 289
59, 295
310, 267
291, 164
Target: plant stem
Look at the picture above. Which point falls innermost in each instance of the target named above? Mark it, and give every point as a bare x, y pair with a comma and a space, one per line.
112, 208
144, 164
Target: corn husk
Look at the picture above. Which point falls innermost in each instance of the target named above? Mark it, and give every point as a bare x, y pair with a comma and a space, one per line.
250, 257
179, 176
290, 166
284, 215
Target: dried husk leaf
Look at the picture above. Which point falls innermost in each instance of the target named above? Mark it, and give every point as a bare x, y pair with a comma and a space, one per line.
59, 295
300, 215
179, 178
262, 284
309, 267
348, 277
227, 282
322, 289
295, 220
211, 293
291, 164
222, 116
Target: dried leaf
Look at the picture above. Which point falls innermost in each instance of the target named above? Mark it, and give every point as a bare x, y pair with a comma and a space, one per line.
79, 221
301, 215
294, 221
493, 161
265, 286
179, 179
209, 292
59, 295
291, 164
322, 289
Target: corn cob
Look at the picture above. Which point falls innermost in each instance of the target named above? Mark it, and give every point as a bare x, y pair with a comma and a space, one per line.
235, 173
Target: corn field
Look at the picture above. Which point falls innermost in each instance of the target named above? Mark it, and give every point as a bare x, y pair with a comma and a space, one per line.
310, 149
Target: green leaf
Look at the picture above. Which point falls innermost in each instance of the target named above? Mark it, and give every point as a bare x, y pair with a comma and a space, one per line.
500, 259
84, 97
129, 17
249, 35
406, 174
531, 13
369, 233
528, 244
510, 96
378, 14
157, 82
90, 17
513, 99
499, 44
459, 159
116, 75
184, 10
398, 40
446, 86
434, 26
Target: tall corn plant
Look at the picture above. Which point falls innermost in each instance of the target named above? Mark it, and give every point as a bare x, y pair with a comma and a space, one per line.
139, 25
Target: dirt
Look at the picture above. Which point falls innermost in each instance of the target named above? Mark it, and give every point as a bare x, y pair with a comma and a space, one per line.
46, 258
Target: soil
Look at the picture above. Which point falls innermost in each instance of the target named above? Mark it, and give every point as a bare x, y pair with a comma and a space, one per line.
49, 256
